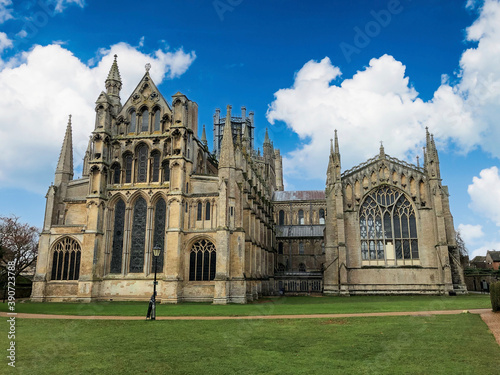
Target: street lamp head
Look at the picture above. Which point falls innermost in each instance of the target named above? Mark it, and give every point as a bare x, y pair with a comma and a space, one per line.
156, 251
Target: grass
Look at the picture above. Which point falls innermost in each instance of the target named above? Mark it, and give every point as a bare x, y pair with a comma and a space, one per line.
445, 344
267, 306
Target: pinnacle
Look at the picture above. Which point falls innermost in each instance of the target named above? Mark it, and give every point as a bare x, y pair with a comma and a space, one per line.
114, 72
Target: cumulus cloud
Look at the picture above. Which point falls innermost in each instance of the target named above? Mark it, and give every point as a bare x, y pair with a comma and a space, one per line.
378, 103
470, 233
484, 193
481, 251
40, 88
60, 5
5, 11
5, 42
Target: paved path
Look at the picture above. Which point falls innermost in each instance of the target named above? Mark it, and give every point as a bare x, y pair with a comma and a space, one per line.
490, 318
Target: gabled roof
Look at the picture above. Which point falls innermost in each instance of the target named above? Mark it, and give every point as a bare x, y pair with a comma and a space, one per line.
479, 259
146, 79
379, 159
304, 195
495, 255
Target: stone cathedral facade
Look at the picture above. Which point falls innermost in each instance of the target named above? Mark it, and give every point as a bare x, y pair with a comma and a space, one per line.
227, 229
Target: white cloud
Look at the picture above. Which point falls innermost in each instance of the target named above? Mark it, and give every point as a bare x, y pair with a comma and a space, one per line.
378, 103
481, 251
484, 193
40, 88
5, 42
5, 12
470, 233
60, 5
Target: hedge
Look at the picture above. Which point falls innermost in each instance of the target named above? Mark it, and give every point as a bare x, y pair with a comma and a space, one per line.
495, 296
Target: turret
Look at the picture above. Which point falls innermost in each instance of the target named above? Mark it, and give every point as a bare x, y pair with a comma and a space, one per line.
431, 158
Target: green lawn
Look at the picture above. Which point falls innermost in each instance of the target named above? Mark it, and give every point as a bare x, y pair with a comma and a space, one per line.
267, 306
447, 344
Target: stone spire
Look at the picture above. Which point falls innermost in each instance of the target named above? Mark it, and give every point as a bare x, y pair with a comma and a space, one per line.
266, 138
204, 136
333, 171
431, 158
381, 151
114, 81
64, 170
227, 147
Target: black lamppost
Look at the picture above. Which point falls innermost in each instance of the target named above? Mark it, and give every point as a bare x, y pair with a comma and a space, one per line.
156, 253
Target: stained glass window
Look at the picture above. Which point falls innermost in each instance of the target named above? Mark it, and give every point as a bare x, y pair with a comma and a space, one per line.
202, 261
66, 260
128, 168
133, 121
145, 120
138, 236
117, 248
142, 163
207, 211
157, 121
387, 216
159, 232
155, 175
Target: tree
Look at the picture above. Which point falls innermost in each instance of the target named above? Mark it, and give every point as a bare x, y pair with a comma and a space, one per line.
18, 246
462, 249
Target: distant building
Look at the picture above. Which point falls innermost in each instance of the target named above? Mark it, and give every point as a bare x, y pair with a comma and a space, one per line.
492, 259
227, 230
478, 262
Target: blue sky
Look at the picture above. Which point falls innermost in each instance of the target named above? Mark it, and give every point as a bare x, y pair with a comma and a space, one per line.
374, 70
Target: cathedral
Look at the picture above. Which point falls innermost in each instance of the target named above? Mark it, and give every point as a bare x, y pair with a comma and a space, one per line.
225, 228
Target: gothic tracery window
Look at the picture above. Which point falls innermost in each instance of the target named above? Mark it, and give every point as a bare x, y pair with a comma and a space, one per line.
142, 163
138, 240
133, 121
202, 261
117, 247
157, 121
145, 120
159, 232
66, 260
387, 221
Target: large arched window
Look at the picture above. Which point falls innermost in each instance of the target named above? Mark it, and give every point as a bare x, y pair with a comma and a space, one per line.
133, 121
281, 217
321, 216
301, 217
66, 260
127, 161
202, 261
142, 163
145, 120
155, 172
159, 232
138, 236
156, 127
388, 226
117, 248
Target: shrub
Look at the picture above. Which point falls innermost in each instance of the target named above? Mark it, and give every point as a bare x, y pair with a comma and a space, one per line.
495, 296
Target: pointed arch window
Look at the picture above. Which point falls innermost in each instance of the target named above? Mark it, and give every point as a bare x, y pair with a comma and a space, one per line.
159, 232
155, 173
199, 211
142, 163
145, 120
321, 216
387, 224
66, 260
166, 171
116, 173
128, 168
281, 217
301, 248
133, 121
202, 261
301, 217
138, 236
156, 127
207, 211
117, 247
